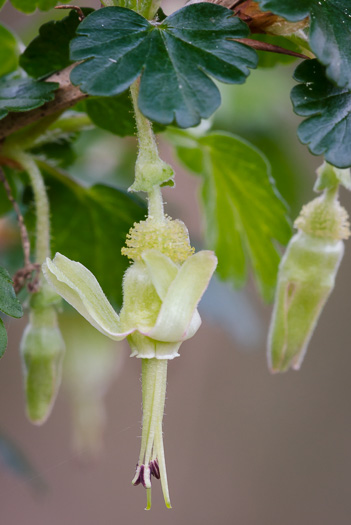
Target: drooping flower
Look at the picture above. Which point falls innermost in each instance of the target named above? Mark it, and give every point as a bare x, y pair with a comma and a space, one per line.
161, 291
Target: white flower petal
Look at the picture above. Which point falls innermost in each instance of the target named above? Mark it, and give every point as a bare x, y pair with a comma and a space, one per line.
182, 298
78, 286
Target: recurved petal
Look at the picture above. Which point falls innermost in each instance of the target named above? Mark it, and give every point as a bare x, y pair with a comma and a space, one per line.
78, 286
179, 305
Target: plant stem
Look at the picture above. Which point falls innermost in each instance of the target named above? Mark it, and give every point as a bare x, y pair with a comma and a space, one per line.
155, 204
41, 202
146, 137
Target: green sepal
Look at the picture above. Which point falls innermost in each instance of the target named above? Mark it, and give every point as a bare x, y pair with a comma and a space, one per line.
329, 177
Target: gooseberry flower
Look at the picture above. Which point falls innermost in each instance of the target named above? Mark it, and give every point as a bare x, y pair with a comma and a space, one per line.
306, 277
161, 291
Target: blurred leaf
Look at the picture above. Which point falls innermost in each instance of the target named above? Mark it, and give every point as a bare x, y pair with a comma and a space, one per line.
328, 108
29, 6
60, 151
245, 215
90, 225
3, 338
9, 304
12, 457
23, 94
2, 2
120, 45
9, 51
292, 10
114, 114
49, 52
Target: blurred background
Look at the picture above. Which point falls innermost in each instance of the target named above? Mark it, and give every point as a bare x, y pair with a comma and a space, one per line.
242, 446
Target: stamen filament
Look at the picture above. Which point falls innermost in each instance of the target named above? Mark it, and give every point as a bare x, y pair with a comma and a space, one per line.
152, 458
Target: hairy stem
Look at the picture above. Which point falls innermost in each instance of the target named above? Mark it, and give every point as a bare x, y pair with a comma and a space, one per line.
41, 202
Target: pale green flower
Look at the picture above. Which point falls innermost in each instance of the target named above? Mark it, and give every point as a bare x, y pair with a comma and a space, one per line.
159, 312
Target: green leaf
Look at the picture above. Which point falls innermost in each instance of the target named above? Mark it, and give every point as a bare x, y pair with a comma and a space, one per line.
174, 59
9, 51
292, 10
330, 38
327, 129
49, 52
23, 94
3, 338
329, 34
114, 114
29, 6
2, 2
90, 225
9, 304
245, 214
60, 151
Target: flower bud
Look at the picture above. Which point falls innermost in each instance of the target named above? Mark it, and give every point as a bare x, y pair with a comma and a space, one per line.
42, 349
306, 278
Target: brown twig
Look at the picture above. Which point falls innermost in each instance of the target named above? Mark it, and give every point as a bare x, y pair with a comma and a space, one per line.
25, 274
271, 48
75, 7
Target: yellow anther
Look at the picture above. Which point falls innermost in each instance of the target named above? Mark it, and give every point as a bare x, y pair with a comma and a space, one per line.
168, 236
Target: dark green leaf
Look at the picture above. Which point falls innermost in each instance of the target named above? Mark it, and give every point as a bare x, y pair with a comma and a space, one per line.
49, 52
2, 3
327, 130
9, 304
292, 10
90, 225
3, 338
174, 58
23, 94
9, 51
329, 34
245, 215
330, 38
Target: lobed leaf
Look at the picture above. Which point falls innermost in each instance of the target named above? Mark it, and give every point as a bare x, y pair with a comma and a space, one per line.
327, 128
329, 33
23, 94
330, 38
245, 214
118, 45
